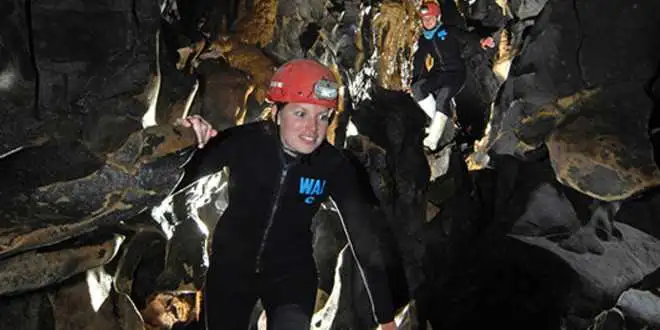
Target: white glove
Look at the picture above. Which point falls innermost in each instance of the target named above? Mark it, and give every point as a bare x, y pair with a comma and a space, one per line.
435, 130
428, 105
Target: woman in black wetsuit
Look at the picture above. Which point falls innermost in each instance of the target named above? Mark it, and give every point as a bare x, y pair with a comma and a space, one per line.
281, 172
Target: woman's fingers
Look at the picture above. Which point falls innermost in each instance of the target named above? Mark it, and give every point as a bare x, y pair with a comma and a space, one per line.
204, 131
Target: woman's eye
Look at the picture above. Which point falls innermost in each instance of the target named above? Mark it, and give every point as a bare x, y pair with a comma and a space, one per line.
299, 114
324, 117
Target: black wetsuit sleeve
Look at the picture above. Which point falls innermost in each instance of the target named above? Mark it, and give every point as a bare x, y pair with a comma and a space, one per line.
216, 154
450, 66
418, 65
357, 217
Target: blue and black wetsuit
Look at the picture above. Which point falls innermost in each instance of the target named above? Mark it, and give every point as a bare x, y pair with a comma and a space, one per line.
438, 67
262, 245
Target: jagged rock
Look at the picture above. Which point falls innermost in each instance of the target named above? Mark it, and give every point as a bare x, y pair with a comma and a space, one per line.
96, 76
286, 42
342, 300
488, 13
143, 241
609, 145
636, 308
527, 202
563, 56
29, 311
135, 177
297, 28
611, 319
167, 310
54, 74
43, 162
495, 282
338, 310
604, 153
449, 181
391, 32
225, 95
247, 58
230, 86
524, 9
329, 240
348, 306
90, 302
484, 18
17, 78
642, 306
474, 99
186, 262
392, 120
95, 86
86, 301
177, 88
188, 217
525, 126
642, 213
531, 202
258, 26
447, 236
373, 158
391, 127
605, 277
36, 269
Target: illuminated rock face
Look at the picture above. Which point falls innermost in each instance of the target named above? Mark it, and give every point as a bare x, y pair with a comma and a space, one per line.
571, 93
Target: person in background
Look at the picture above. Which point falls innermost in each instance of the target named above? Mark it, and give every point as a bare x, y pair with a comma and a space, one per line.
438, 70
281, 172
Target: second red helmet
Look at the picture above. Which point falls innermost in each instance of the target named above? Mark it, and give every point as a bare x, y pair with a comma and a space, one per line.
430, 8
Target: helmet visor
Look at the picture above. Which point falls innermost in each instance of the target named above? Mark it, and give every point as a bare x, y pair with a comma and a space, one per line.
326, 90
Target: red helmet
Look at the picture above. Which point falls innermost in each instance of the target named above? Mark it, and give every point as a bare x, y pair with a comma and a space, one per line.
304, 81
429, 9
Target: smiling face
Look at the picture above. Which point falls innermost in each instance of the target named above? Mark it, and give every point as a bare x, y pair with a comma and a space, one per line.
429, 22
303, 126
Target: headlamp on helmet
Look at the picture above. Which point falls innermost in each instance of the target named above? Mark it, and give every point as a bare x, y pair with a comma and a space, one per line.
304, 81
326, 90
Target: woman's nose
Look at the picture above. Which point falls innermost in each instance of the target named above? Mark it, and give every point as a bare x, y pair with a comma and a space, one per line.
311, 124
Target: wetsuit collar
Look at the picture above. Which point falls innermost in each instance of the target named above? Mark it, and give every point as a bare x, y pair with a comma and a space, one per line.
428, 34
289, 156
439, 28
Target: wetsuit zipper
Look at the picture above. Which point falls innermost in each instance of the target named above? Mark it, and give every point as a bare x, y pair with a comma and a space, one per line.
278, 195
437, 52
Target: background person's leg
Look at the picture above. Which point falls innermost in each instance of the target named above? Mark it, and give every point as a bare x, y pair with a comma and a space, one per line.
439, 120
416, 89
425, 101
442, 99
